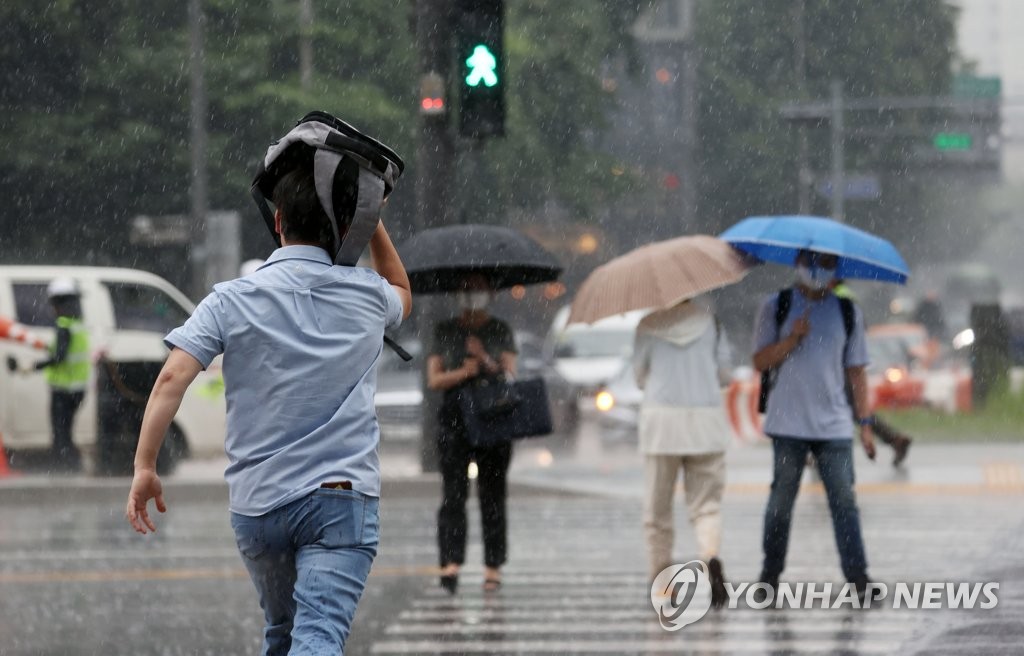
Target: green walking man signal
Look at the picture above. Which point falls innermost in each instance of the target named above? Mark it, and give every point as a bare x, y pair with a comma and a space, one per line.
482, 67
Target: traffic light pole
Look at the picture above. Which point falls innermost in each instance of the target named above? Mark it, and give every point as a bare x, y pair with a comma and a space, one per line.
435, 162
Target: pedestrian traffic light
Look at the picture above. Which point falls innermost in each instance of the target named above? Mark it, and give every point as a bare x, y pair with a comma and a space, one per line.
480, 57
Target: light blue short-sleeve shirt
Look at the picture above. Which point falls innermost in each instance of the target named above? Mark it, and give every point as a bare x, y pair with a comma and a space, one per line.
300, 339
809, 397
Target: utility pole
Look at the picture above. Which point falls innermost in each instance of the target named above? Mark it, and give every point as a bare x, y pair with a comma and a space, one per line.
306, 45
804, 179
688, 110
435, 162
838, 152
435, 152
198, 138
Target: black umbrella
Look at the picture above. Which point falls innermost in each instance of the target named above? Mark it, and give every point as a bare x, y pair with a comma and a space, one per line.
437, 260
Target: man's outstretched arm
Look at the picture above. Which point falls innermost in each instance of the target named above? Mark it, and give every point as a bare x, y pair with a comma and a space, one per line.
177, 374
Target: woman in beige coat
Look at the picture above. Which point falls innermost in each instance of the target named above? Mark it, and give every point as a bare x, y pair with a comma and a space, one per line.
680, 359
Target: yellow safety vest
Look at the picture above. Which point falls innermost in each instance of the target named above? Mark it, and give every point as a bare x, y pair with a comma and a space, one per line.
73, 373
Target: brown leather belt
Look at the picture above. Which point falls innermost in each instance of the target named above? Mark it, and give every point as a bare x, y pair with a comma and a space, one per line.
338, 485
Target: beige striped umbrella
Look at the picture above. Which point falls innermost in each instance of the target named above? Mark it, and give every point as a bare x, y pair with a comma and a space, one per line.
657, 275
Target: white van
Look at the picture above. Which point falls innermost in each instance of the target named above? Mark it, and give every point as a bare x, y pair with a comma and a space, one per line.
127, 313
589, 355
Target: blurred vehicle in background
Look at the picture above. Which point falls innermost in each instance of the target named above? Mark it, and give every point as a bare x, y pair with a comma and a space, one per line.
908, 369
399, 396
587, 356
562, 395
127, 314
967, 285
898, 353
616, 405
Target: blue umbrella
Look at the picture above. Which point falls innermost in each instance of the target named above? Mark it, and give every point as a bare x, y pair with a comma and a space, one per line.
780, 238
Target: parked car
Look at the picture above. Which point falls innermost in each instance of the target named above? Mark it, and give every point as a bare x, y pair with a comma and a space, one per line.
127, 313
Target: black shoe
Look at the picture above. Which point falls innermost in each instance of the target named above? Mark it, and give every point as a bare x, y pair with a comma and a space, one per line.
718, 594
861, 585
900, 448
450, 582
760, 594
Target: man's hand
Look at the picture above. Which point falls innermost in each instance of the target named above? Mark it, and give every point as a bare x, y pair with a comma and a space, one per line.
145, 486
867, 438
802, 326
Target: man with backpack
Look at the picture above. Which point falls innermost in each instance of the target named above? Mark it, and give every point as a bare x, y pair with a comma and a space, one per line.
810, 343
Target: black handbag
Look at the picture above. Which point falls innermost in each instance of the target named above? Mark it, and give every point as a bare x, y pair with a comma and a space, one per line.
501, 421
489, 396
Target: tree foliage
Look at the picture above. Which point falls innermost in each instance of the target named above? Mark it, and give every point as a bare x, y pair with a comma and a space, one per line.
748, 70
96, 98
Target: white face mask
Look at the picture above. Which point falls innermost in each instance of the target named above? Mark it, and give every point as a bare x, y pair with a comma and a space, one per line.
473, 300
816, 278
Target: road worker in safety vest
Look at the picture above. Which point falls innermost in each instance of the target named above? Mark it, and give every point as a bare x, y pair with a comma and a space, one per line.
67, 370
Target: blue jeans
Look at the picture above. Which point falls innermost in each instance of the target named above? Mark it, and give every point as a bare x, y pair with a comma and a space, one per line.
309, 560
835, 465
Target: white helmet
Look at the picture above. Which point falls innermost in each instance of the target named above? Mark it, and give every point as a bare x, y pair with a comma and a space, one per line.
62, 287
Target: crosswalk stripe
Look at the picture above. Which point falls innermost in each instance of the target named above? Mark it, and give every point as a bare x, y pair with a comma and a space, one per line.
805, 626
722, 646
730, 616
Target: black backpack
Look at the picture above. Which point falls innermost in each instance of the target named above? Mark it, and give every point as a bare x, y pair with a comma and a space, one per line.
782, 305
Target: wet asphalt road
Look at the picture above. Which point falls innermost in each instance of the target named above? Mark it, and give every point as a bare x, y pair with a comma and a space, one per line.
75, 580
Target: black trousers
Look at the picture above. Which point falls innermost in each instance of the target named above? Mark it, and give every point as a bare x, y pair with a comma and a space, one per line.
455, 454
63, 406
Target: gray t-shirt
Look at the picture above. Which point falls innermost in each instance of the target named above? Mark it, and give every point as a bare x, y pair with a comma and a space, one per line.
808, 400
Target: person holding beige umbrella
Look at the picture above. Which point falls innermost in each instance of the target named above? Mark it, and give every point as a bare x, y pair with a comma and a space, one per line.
680, 357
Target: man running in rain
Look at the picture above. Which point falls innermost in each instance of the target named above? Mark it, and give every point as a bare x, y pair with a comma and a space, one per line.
301, 339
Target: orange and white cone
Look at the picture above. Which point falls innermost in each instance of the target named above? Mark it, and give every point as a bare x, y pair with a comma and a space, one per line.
19, 333
5, 467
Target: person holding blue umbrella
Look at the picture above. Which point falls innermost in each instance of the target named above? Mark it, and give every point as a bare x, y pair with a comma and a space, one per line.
811, 344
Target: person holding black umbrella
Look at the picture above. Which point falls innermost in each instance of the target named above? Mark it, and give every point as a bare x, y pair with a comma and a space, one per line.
467, 348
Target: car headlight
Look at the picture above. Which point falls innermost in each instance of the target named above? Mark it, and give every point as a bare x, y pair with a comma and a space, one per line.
604, 401
963, 339
894, 374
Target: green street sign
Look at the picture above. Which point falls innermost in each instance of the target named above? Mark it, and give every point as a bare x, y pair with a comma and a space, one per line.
974, 86
952, 141
483, 67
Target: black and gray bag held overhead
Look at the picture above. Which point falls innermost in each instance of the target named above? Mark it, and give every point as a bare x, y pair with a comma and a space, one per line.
344, 160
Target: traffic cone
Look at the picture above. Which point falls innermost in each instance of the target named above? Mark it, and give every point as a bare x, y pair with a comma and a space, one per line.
17, 332
5, 468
